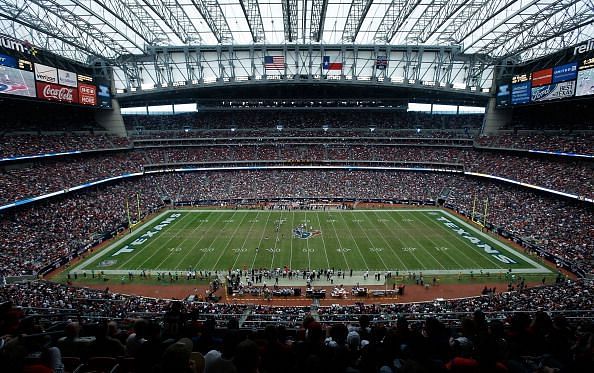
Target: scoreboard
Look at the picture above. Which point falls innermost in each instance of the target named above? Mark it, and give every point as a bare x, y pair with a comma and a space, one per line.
25, 73
574, 78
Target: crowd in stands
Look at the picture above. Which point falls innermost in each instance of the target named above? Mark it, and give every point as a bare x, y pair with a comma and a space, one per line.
561, 228
33, 237
34, 144
43, 177
517, 331
52, 175
301, 119
568, 143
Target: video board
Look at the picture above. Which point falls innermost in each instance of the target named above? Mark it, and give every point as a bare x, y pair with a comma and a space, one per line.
573, 77
23, 72
16, 77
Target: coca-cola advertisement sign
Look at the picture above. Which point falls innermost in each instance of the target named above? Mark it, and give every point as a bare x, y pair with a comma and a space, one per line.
87, 94
54, 92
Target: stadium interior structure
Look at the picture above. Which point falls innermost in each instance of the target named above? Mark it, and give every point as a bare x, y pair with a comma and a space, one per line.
117, 110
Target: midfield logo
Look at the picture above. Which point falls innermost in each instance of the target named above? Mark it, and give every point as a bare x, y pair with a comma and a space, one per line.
303, 233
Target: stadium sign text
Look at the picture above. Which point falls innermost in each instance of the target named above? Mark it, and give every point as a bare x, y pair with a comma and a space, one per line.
478, 243
17, 45
142, 239
584, 47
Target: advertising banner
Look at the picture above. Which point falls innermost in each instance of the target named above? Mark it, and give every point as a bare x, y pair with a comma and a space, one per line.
67, 78
585, 83
542, 77
564, 73
104, 96
553, 91
87, 94
7, 61
520, 93
16, 82
503, 94
45, 73
54, 92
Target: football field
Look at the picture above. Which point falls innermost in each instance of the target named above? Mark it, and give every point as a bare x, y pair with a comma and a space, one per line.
428, 240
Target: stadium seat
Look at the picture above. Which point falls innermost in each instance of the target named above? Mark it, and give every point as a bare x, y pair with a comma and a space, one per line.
72, 364
102, 364
126, 365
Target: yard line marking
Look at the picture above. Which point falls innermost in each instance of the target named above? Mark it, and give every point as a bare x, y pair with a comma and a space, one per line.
173, 236
497, 243
305, 221
370, 242
110, 249
389, 227
355, 243
390, 245
197, 242
339, 243
291, 239
261, 238
246, 238
276, 238
421, 247
467, 245
153, 242
188, 236
213, 226
231, 239
430, 218
323, 241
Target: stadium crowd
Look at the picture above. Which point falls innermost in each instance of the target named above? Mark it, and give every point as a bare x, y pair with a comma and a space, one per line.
568, 143
507, 332
37, 236
35, 144
34, 236
301, 119
52, 175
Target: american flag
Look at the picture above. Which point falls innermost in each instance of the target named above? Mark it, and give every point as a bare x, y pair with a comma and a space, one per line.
274, 62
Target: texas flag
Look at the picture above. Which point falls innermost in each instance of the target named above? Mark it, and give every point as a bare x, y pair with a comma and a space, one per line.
327, 65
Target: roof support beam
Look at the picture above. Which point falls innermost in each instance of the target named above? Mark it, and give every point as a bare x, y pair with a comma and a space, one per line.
357, 13
537, 26
131, 24
211, 12
318, 17
112, 47
43, 20
175, 18
290, 19
435, 16
398, 12
251, 10
19, 29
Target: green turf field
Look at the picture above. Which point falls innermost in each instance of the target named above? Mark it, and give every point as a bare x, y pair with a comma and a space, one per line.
429, 240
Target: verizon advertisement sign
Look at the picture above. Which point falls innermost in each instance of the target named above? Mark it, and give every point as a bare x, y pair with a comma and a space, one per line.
67, 78
87, 94
54, 92
45, 73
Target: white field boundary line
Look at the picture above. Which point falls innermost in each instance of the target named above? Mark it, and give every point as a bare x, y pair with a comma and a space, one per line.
494, 272
498, 243
142, 229
538, 267
403, 209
